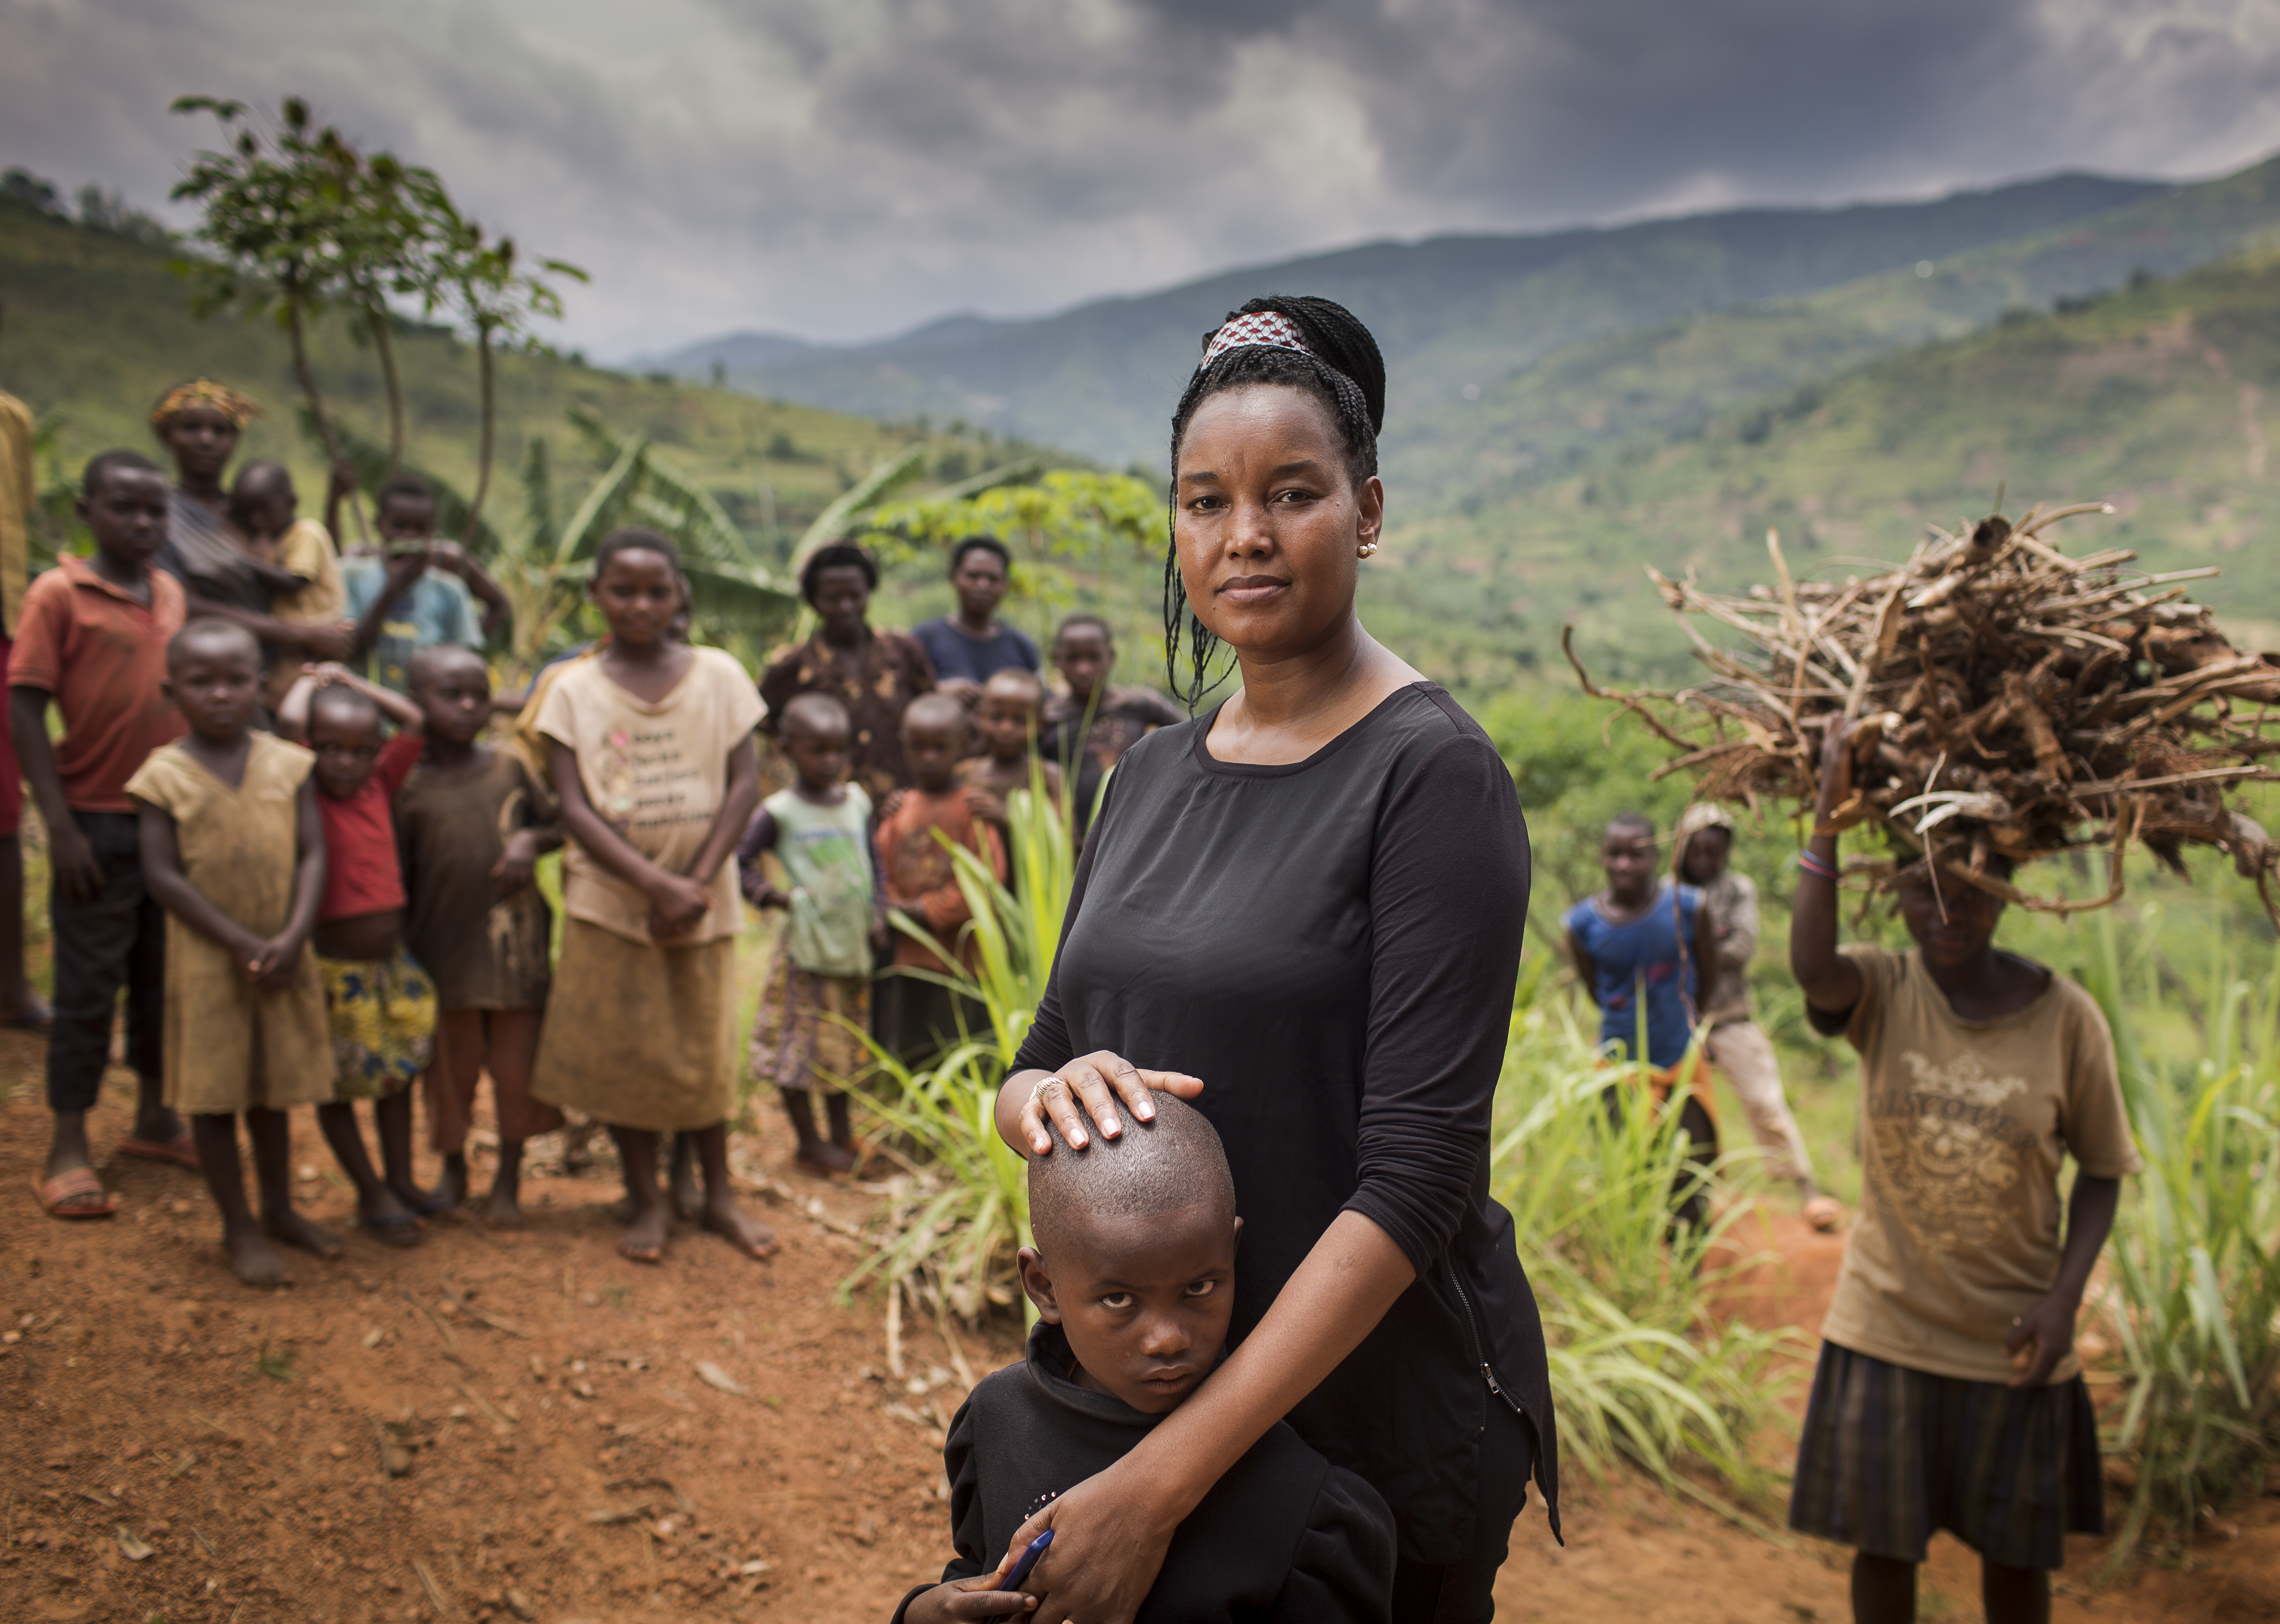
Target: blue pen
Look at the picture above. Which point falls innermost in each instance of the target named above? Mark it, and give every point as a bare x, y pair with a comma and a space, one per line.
1013, 1581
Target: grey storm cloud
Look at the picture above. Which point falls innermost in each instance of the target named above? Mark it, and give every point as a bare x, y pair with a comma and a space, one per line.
844, 167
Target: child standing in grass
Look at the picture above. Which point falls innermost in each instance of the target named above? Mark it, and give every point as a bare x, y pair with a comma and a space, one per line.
1948, 1395
474, 825
234, 849
379, 1003
815, 1005
917, 1013
1642, 953
1088, 731
91, 639
653, 763
1011, 702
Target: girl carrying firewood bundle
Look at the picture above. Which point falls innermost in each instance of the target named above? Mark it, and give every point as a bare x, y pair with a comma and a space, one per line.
1948, 1395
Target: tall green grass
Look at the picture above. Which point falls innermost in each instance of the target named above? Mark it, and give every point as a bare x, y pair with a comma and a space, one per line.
953, 1231
2192, 1286
1641, 1370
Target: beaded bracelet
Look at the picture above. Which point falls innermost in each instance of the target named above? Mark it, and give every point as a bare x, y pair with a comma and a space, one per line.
1813, 865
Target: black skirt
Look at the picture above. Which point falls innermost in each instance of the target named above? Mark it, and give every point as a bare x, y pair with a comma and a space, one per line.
1892, 1454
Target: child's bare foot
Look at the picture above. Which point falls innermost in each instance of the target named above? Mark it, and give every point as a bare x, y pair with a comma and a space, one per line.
383, 1215
294, 1230
252, 1257
504, 1212
824, 1160
644, 1240
724, 1218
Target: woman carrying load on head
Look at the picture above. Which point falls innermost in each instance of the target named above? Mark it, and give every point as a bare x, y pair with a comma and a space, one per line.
1948, 1394
200, 424
1302, 911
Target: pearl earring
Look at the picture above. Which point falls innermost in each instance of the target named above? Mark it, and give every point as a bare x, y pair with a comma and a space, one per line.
1365, 549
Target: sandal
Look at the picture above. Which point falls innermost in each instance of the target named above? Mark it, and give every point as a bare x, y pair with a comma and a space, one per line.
179, 1152
57, 1195
1824, 1213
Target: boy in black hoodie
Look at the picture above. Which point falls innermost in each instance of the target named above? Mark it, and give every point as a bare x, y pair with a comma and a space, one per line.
1133, 1277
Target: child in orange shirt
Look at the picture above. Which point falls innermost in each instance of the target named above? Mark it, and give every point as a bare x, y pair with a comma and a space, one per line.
916, 1015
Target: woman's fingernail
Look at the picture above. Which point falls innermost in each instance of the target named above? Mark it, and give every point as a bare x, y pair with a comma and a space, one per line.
1041, 1144
1077, 1141
1145, 1111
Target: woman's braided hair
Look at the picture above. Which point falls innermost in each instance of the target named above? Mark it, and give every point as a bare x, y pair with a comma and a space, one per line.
1341, 367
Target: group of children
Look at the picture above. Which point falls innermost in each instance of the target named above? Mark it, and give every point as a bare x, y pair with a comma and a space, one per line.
318, 890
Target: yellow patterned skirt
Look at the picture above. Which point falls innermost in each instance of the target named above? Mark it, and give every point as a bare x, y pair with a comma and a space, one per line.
381, 1015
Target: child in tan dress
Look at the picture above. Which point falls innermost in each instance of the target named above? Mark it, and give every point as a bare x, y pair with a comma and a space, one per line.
652, 760
233, 849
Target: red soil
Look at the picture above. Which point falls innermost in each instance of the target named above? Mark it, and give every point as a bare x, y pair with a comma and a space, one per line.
568, 1453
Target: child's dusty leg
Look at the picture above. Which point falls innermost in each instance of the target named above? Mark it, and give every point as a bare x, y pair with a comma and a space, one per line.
391, 1114
681, 1181
252, 1257
722, 1216
648, 1222
843, 1127
511, 1046
815, 1155
1884, 1589
505, 1208
451, 1080
271, 1133
2014, 1595
155, 1122
377, 1206
67, 1143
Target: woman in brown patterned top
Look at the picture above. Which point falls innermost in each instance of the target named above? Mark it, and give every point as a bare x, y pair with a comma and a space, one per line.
874, 673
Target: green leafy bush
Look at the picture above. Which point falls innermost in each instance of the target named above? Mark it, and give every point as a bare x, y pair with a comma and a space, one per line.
2192, 1288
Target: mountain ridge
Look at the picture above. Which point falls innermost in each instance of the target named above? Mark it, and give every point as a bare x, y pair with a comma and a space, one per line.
1046, 374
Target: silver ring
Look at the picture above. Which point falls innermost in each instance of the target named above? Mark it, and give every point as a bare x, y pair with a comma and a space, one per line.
1037, 1088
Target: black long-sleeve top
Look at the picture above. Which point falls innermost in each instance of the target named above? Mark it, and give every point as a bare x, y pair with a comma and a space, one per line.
1286, 1537
1331, 946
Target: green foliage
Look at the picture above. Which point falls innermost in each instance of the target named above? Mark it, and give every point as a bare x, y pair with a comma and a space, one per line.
954, 1232
2194, 1289
1641, 1370
1077, 538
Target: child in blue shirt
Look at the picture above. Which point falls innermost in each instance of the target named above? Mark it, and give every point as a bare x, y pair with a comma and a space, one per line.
1648, 941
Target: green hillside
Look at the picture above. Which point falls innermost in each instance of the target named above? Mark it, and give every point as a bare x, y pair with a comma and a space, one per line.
97, 327
1565, 412
2155, 398
1448, 311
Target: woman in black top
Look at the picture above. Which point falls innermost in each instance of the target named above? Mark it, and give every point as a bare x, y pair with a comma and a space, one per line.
1302, 911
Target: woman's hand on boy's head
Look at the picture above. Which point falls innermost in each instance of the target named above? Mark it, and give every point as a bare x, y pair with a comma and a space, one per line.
1100, 1080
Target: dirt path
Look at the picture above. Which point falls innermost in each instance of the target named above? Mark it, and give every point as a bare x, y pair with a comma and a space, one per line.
569, 1453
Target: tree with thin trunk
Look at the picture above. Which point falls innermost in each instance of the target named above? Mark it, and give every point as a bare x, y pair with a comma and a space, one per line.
496, 301
279, 224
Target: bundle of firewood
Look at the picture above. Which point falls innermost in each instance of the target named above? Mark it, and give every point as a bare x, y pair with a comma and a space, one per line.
2003, 697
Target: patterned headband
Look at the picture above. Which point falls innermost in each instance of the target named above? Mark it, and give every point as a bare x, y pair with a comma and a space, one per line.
1266, 326
239, 408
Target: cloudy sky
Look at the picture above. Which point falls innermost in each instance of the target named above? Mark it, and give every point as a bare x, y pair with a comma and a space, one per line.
846, 168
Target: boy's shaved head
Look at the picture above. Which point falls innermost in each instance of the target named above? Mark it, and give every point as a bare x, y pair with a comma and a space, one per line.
264, 478
435, 659
210, 635
337, 701
1166, 1165
934, 710
1015, 680
816, 713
